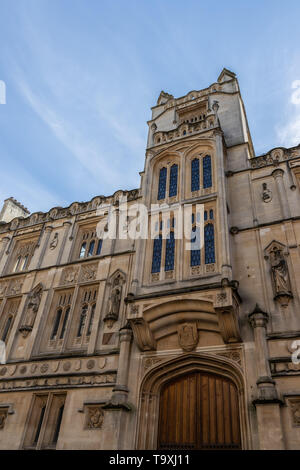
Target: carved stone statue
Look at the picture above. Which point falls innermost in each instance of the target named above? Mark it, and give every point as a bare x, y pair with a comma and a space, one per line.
54, 242
32, 307
279, 272
114, 302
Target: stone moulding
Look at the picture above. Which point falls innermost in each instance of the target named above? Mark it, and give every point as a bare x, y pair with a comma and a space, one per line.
63, 212
274, 157
67, 381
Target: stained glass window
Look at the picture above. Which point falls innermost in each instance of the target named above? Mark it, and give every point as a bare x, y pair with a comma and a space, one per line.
170, 251
207, 177
156, 258
173, 180
211, 214
195, 254
162, 184
209, 239
195, 180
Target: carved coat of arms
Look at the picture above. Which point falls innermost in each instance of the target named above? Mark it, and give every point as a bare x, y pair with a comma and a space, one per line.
188, 336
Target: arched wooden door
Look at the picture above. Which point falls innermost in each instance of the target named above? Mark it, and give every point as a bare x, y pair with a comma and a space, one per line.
199, 411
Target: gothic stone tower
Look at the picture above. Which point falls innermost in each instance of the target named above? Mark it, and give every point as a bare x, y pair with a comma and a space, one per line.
143, 343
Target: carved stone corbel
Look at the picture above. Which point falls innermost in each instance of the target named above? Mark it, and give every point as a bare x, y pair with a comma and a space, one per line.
142, 334
226, 307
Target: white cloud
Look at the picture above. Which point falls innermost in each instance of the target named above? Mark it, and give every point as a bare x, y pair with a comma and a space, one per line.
289, 133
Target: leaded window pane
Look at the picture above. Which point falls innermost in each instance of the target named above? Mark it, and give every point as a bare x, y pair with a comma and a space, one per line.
162, 184
207, 177
170, 251
209, 240
173, 180
195, 254
99, 247
156, 259
195, 178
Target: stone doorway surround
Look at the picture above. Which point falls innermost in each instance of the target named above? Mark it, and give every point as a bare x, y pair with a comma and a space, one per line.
152, 383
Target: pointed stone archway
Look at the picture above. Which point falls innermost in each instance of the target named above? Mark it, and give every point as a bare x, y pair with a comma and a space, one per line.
192, 372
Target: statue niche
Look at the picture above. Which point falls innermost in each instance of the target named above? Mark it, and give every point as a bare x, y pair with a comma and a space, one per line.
280, 274
114, 300
31, 309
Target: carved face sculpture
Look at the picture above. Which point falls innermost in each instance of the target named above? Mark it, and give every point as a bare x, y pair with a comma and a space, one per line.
95, 417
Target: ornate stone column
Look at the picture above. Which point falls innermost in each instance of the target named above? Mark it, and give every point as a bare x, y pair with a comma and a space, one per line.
267, 402
278, 176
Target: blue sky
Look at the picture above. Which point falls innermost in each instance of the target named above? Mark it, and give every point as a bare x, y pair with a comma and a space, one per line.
81, 76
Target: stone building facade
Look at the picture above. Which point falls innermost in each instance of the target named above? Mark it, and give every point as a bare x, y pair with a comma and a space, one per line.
140, 343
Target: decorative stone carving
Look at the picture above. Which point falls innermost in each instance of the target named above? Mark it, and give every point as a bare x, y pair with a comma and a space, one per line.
266, 194
233, 355
295, 409
134, 309
54, 242
279, 273
15, 287
169, 274
195, 270
33, 303
3, 416
151, 361
188, 336
88, 272
227, 309
94, 417
69, 275
114, 299
142, 334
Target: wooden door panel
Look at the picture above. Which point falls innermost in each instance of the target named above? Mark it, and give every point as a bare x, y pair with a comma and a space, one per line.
199, 411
